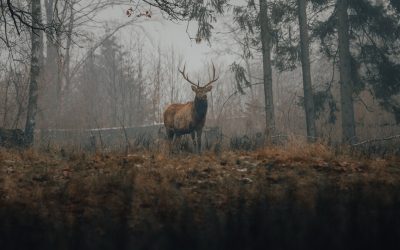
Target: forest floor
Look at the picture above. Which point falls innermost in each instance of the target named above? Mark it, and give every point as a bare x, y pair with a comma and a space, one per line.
235, 200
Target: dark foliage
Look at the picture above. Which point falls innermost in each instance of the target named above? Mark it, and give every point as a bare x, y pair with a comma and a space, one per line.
204, 12
374, 34
240, 77
323, 102
11, 138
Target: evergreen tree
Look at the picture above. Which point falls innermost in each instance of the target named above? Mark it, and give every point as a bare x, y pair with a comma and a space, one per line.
259, 33
374, 38
267, 66
346, 83
306, 67
367, 50
276, 35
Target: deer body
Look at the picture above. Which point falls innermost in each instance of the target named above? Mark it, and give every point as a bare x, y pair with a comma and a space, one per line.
189, 118
183, 119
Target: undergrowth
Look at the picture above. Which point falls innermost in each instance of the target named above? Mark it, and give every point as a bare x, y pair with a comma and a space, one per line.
278, 197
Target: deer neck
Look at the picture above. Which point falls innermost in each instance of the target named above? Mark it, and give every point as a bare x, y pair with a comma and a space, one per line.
199, 108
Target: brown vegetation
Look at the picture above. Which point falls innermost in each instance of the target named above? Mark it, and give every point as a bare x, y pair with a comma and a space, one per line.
80, 196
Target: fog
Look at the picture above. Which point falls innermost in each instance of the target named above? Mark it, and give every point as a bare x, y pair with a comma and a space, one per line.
207, 124
117, 69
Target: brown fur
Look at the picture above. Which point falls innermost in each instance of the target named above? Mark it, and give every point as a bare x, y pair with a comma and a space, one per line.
183, 118
178, 118
189, 118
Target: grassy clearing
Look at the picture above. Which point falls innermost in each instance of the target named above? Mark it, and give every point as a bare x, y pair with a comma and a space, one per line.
154, 200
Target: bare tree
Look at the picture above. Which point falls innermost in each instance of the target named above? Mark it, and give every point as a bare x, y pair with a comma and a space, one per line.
158, 77
15, 19
37, 47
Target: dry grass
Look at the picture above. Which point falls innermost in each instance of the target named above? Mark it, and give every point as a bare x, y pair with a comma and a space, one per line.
30, 176
149, 190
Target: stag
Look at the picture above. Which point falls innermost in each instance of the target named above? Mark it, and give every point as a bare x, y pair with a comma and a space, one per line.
189, 118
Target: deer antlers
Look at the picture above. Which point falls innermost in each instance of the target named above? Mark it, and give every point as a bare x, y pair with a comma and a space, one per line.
213, 78
186, 77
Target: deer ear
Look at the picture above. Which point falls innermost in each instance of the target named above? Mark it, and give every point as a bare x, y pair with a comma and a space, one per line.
194, 89
209, 88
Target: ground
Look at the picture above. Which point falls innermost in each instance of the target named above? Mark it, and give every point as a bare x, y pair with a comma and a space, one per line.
308, 197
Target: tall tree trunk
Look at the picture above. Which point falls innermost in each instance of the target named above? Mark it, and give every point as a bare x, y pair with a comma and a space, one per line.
37, 47
267, 68
71, 25
6, 104
114, 92
50, 48
305, 63
139, 120
51, 51
66, 65
54, 67
59, 78
157, 97
346, 84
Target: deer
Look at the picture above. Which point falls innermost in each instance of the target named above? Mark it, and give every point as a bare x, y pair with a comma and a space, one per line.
190, 117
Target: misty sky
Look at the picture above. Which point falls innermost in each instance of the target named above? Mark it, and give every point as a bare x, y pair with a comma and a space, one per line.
157, 29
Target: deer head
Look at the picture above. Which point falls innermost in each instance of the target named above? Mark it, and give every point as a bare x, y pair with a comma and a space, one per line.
200, 91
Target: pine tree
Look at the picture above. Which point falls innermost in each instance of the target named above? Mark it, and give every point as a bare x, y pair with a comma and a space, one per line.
370, 60
267, 67
346, 83
306, 67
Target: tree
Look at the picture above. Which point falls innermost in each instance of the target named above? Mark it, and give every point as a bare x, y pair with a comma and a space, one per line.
267, 67
306, 68
367, 36
16, 19
157, 80
36, 51
110, 65
68, 23
346, 84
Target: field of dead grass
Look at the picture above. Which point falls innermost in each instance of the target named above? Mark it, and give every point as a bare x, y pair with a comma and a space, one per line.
155, 200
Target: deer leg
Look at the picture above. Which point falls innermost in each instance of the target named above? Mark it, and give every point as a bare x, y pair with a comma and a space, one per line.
199, 140
175, 140
193, 135
170, 137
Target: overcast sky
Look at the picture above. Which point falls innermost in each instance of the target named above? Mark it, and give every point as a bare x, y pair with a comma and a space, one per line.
157, 29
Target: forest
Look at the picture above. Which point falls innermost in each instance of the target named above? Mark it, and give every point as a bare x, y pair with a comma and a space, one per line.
207, 124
